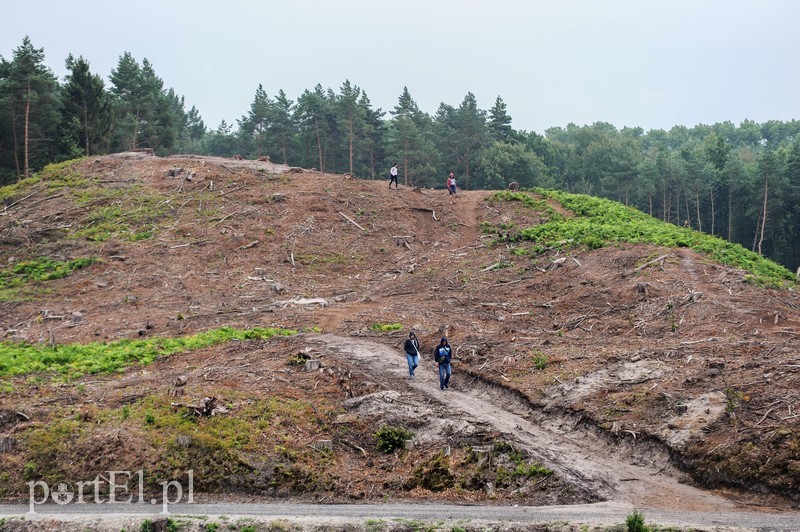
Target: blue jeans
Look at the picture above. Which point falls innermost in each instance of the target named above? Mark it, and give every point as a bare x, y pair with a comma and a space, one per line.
444, 375
413, 362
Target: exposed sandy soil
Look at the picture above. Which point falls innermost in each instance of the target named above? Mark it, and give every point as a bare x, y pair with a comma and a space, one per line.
652, 386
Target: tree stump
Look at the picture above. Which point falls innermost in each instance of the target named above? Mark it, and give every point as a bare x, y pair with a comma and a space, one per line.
312, 365
324, 444
481, 455
7, 444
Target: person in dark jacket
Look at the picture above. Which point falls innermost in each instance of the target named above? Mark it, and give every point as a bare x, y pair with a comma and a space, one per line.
442, 355
411, 347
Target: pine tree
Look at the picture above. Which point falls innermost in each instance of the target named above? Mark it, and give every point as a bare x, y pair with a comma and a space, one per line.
500, 122
254, 127
86, 112
29, 97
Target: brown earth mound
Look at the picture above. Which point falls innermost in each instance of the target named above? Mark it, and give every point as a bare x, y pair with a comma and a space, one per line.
621, 373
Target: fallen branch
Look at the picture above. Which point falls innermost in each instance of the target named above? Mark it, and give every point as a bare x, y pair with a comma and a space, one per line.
37, 202
648, 263
225, 218
351, 221
353, 445
433, 213
190, 244
231, 190
250, 245
22, 199
764, 417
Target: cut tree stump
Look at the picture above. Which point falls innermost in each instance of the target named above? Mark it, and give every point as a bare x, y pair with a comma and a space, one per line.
312, 365
481, 455
324, 444
7, 444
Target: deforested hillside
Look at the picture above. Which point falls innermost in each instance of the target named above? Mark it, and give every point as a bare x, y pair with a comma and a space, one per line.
245, 320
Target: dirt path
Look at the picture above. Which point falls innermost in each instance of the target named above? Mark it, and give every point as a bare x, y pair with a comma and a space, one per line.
645, 480
468, 207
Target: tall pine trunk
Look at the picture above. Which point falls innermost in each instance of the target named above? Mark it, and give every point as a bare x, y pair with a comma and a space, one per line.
16, 142
350, 139
713, 209
764, 218
730, 211
27, 121
86, 127
697, 209
319, 147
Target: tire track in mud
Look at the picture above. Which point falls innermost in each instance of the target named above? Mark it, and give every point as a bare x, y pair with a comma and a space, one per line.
641, 476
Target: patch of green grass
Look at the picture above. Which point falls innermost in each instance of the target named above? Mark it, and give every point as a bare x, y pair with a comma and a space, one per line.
58, 175
13, 279
385, 327
18, 188
43, 269
600, 222
74, 360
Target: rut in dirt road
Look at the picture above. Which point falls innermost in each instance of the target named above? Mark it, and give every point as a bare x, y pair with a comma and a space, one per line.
641, 476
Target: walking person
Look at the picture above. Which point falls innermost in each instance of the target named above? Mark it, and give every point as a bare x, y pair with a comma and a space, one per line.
393, 176
451, 187
411, 347
442, 355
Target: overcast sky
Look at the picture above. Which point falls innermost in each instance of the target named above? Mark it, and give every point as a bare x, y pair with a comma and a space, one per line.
653, 64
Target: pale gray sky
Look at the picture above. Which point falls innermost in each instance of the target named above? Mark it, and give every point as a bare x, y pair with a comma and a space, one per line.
648, 63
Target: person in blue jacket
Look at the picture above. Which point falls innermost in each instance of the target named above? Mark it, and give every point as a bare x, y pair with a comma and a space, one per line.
411, 347
442, 355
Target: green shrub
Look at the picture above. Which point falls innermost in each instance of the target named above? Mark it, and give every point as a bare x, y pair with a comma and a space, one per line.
392, 438
635, 522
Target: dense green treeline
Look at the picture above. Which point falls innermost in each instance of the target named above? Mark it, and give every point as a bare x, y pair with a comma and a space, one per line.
740, 182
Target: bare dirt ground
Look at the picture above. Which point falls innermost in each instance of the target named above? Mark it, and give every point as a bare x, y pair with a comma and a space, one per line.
673, 386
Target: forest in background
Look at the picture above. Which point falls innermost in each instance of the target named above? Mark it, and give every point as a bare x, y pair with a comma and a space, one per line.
740, 182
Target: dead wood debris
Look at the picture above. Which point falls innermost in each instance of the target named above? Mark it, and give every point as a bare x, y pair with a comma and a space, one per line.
208, 407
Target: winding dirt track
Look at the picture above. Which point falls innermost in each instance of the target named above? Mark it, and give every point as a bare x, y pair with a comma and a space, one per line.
576, 455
